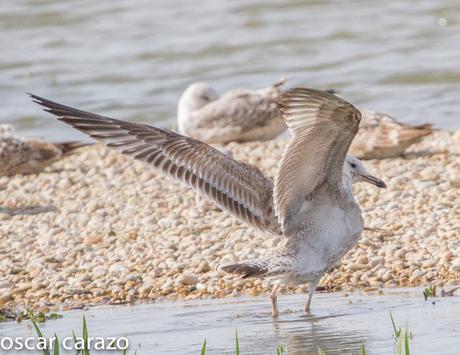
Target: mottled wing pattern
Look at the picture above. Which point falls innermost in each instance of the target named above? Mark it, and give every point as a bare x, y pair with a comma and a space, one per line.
323, 126
18, 156
236, 187
241, 108
381, 136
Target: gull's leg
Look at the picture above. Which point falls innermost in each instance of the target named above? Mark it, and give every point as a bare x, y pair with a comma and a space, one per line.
311, 292
274, 300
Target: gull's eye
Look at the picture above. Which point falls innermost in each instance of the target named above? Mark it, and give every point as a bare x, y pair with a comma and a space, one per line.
353, 165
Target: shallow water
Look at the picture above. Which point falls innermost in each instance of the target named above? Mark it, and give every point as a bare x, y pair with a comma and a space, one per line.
132, 59
338, 324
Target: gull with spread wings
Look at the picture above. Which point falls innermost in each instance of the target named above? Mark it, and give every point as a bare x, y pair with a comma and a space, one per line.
310, 203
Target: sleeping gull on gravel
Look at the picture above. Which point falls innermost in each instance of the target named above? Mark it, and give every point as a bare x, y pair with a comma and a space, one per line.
381, 136
240, 115
311, 202
29, 156
248, 115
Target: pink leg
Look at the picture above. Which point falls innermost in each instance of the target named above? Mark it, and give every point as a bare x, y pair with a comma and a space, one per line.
274, 300
311, 292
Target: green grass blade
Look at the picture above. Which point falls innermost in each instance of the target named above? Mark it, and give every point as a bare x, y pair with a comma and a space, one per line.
203, 348
75, 341
40, 335
406, 343
320, 351
397, 332
56, 345
399, 346
37, 329
363, 350
237, 345
85, 337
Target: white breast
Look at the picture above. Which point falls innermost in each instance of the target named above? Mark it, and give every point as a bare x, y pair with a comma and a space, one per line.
332, 231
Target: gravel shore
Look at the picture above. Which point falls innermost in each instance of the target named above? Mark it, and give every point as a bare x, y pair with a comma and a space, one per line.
98, 228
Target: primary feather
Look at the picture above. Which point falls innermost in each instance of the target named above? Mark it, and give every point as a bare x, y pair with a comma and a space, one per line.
238, 188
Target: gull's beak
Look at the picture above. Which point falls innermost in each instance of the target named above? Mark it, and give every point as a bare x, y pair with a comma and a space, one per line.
374, 181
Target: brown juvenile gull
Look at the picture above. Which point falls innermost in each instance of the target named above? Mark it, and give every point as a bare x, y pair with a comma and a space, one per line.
311, 202
29, 156
381, 136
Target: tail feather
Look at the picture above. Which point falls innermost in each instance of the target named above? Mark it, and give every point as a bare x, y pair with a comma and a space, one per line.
245, 269
412, 135
427, 126
258, 267
67, 147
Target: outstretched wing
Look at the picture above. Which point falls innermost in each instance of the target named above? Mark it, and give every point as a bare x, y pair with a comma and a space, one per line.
236, 187
323, 126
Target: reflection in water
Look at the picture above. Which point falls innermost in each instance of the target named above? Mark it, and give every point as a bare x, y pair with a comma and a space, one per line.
339, 325
304, 336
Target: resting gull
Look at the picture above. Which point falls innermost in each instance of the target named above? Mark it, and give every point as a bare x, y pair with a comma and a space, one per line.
310, 203
249, 115
239, 115
29, 156
381, 136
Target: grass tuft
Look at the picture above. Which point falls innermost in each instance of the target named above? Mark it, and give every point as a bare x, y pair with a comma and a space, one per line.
429, 292
280, 350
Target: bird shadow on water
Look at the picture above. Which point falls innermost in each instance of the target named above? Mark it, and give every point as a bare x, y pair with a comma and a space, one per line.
27, 210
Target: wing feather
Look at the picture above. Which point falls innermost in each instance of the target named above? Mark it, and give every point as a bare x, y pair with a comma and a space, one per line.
236, 187
323, 126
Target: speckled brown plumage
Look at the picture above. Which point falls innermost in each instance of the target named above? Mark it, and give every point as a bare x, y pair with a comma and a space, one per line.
28, 156
381, 136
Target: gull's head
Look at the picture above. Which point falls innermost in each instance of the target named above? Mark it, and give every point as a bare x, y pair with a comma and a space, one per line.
355, 168
197, 95
6, 129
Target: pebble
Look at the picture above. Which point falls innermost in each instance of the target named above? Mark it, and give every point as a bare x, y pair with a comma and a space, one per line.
189, 280
455, 265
